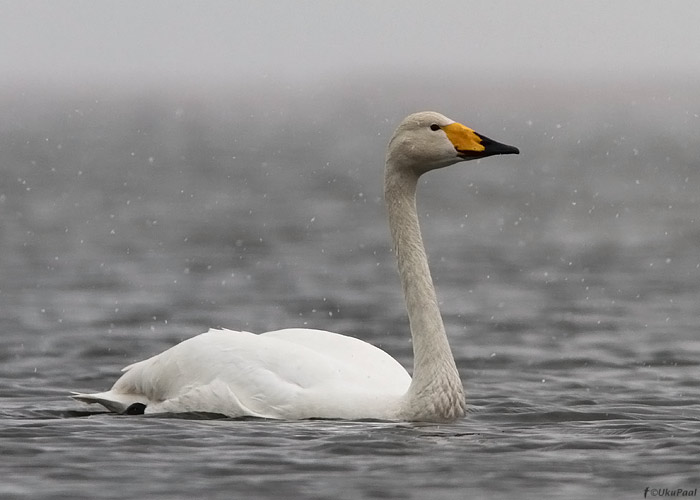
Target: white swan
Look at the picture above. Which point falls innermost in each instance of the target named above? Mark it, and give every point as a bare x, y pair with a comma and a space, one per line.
301, 373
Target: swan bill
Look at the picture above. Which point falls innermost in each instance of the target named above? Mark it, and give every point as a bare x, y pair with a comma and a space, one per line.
471, 145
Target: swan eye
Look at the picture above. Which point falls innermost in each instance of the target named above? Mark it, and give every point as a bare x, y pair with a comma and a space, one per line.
435, 127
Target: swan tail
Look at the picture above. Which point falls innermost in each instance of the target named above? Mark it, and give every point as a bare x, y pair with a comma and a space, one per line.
117, 403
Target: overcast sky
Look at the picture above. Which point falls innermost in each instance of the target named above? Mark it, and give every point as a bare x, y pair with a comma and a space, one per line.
72, 41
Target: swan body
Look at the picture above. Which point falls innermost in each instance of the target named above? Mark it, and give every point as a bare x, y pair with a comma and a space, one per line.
286, 374
302, 373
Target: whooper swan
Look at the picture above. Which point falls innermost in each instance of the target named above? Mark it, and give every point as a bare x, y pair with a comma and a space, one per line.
300, 373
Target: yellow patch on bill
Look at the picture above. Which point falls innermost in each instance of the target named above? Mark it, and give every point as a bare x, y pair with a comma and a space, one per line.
463, 138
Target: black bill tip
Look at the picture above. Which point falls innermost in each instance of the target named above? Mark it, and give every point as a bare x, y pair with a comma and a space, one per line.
492, 147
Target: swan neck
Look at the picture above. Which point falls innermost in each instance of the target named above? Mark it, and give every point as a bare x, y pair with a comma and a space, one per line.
436, 391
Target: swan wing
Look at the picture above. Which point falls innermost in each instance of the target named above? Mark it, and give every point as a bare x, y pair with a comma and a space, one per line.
363, 358
293, 373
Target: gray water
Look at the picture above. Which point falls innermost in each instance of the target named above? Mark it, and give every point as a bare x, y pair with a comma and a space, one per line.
569, 280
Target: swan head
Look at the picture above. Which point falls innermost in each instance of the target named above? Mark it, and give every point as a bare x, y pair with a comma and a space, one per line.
428, 140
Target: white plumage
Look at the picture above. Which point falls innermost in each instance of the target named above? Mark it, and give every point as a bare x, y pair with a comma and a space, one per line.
287, 374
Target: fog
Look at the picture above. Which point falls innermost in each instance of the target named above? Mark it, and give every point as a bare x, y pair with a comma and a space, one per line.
79, 42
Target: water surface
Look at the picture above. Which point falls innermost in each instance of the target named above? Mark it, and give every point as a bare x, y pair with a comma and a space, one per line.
569, 278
